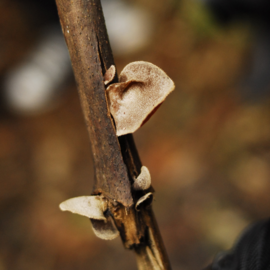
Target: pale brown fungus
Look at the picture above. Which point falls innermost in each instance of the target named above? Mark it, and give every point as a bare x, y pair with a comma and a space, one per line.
109, 74
141, 89
144, 200
105, 230
143, 181
93, 207
88, 206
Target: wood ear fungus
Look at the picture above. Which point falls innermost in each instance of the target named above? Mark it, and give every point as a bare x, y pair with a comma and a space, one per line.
141, 89
109, 74
93, 207
88, 206
143, 181
144, 200
105, 230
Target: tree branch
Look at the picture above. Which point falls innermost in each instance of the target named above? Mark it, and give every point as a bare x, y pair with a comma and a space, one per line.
116, 160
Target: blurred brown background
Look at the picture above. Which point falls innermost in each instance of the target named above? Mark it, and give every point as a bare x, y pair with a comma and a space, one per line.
207, 147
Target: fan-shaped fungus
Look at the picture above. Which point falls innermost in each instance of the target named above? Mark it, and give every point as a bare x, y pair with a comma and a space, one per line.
141, 89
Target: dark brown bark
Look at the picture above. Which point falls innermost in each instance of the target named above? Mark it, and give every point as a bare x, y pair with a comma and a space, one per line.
86, 41
116, 160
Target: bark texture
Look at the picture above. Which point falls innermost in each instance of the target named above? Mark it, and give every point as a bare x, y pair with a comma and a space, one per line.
86, 38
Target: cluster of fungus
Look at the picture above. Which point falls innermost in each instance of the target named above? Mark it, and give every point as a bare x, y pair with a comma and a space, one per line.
141, 89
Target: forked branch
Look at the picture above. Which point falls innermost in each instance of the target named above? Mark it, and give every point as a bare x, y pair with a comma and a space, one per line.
116, 161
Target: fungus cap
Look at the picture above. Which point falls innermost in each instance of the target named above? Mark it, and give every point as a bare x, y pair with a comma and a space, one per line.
109, 74
143, 181
93, 207
105, 230
144, 200
88, 206
141, 89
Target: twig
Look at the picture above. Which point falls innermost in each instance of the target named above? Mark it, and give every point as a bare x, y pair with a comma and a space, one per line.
116, 160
